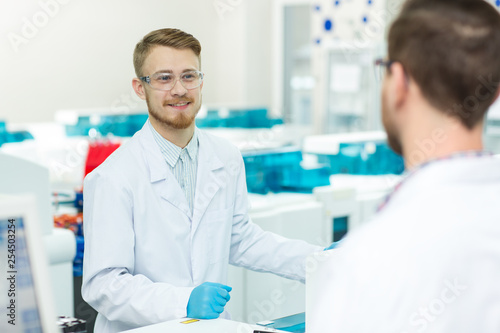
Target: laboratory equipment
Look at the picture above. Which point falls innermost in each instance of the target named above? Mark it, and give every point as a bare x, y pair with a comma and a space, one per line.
71, 325
12, 136
27, 296
351, 91
360, 153
492, 128
63, 156
73, 222
354, 21
98, 152
346, 37
101, 122
237, 118
278, 170
364, 171
323, 66
341, 209
371, 192
19, 176
294, 80
107, 122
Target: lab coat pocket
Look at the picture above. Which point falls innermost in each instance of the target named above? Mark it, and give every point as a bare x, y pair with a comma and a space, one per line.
219, 223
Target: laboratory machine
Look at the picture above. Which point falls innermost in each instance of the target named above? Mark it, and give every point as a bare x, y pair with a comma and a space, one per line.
20, 176
27, 294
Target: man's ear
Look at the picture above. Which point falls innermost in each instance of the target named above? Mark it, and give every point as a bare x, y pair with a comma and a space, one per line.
139, 89
399, 84
497, 95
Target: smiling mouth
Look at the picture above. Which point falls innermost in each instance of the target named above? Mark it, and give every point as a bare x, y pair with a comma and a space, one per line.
179, 104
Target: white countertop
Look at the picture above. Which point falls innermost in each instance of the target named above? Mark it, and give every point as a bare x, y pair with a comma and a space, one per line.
202, 326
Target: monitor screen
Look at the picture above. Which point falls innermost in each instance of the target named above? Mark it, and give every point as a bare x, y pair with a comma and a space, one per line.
27, 301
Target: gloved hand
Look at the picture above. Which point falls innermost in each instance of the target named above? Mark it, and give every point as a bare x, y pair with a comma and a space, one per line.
332, 246
207, 301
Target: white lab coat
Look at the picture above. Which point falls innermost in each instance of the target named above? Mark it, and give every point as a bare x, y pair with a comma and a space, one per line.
144, 252
428, 262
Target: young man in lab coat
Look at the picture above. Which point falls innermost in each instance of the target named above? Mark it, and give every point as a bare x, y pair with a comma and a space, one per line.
166, 213
430, 259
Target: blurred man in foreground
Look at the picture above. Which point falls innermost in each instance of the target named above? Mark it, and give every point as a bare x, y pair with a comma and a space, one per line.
429, 261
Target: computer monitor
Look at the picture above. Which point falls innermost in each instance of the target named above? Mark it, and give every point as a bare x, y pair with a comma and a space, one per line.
26, 295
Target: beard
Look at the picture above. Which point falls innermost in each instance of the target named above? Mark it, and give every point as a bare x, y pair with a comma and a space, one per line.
181, 120
392, 133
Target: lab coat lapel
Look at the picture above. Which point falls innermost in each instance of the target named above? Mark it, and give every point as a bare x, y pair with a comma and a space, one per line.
208, 180
171, 191
160, 175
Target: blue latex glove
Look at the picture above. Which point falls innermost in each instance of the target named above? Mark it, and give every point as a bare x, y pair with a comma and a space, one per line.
207, 301
332, 246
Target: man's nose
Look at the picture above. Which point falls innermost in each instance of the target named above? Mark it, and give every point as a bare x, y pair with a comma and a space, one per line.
178, 89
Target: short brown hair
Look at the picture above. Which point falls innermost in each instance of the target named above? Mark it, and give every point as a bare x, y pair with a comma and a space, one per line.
174, 38
451, 49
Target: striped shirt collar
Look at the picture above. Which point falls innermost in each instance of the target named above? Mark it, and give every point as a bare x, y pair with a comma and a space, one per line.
172, 152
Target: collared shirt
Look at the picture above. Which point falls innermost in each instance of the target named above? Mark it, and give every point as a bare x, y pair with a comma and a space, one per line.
463, 154
183, 162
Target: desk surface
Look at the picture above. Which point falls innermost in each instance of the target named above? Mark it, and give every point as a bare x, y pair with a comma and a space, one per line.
202, 326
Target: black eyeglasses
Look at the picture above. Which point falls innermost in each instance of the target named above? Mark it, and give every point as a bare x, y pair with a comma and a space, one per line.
381, 66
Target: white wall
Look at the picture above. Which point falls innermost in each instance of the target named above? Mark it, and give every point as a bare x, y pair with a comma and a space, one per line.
80, 55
